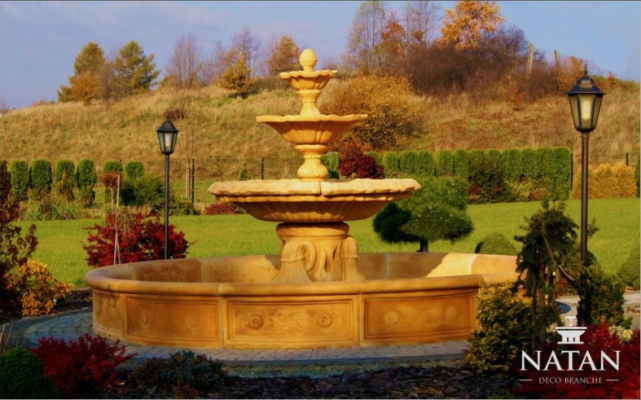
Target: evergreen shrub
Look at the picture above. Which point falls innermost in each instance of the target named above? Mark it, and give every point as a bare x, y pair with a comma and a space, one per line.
41, 178
391, 164
462, 164
629, 270
19, 179
87, 178
427, 164
624, 177
512, 163
134, 170
147, 190
444, 163
112, 166
64, 187
530, 170
22, 376
504, 330
495, 243
64, 167
409, 163
330, 161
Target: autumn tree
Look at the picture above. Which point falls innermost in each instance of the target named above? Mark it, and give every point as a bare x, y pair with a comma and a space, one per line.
84, 84
185, 64
365, 37
136, 71
237, 77
469, 22
283, 56
392, 46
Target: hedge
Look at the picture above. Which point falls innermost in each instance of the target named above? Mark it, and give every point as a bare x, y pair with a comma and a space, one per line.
462, 163
134, 170
427, 164
391, 165
86, 175
41, 178
64, 167
112, 166
19, 179
512, 163
444, 163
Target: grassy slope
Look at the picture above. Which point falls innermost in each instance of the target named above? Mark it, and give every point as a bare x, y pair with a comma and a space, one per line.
225, 126
60, 242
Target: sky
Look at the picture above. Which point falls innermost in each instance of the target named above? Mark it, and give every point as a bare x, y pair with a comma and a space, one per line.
40, 40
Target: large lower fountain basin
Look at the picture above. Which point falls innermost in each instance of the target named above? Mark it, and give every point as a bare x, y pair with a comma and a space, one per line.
227, 302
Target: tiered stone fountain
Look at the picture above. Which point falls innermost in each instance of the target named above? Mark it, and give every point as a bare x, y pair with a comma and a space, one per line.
319, 291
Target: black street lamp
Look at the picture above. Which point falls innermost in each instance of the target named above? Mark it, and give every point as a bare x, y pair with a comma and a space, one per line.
167, 135
585, 102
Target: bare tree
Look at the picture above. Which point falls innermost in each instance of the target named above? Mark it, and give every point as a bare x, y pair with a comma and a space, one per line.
365, 36
248, 44
185, 63
420, 19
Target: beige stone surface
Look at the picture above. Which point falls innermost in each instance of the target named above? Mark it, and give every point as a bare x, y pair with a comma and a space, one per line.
234, 305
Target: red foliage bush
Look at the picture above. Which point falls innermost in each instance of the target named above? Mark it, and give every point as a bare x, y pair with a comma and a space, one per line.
354, 164
613, 384
140, 238
222, 209
79, 368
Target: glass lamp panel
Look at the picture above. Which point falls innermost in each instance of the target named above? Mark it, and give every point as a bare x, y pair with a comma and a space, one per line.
574, 106
586, 106
597, 110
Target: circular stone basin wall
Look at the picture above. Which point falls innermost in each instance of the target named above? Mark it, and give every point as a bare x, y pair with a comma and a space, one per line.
227, 302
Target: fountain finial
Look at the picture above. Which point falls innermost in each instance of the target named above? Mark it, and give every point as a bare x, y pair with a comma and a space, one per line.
308, 60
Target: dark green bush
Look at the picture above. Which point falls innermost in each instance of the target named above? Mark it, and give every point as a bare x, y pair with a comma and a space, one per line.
112, 166
147, 190
409, 163
41, 178
462, 164
134, 170
19, 179
391, 164
607, 298
629, 270
530, 169
22, 376
557, 172
427, 164
64, 187
330, 161
182, 375
444, 163
504, 330
487, 181
495, 243
512, 164
64, 167
87, 177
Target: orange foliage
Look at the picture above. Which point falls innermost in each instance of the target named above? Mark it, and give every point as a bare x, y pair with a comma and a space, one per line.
469, 22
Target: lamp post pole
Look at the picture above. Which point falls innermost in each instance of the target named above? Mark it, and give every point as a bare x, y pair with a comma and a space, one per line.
167, 134
166, 204
585, 104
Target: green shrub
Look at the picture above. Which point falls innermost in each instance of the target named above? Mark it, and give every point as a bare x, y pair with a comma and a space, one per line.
391, 164
22, 376
376, 155
556, 172
629, 270
41, 178
330, 161
626, 184
607, 298
409, 163
147, 190
64, 187
52, 208
512, 164
64, 167
462, 164
112, 166
182, 375
487, 182
444, 163
427, 164
495, 243
530, 170
504, 330
87, 177
19, 179
134, 170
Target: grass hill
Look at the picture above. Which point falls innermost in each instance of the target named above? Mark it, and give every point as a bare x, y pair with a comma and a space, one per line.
222, 126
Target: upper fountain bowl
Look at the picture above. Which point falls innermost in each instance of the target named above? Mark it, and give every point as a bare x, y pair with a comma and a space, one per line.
308, 129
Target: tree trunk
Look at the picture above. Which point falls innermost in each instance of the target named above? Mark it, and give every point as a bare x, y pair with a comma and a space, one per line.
423, 246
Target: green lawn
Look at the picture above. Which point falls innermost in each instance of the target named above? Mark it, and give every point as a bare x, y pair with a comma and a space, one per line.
60, 242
